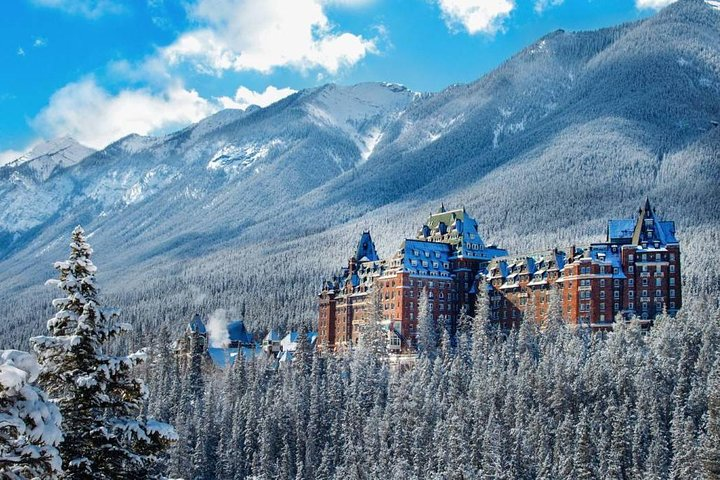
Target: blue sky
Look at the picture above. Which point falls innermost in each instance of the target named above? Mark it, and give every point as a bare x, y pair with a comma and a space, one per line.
100, 69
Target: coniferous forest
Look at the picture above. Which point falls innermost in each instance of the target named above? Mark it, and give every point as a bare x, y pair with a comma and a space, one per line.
250, 210
539, 401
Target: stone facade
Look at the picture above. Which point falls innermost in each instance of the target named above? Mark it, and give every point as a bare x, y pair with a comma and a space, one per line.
635, 272
443, 261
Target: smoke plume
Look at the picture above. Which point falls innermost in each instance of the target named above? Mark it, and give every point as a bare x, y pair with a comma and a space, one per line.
217, 329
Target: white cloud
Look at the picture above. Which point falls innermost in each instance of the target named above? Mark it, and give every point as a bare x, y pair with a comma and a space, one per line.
7, 156
94, 117
476, 16
39, 42
86, 8
542, 5
264, 34
20, 52
244, 97
652, 4
348, 3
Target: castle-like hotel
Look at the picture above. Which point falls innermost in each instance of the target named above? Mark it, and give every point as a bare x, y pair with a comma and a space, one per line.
636, 272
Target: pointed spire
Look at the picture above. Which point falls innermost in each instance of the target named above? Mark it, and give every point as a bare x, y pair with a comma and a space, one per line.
647, 207
366, 248
442, 207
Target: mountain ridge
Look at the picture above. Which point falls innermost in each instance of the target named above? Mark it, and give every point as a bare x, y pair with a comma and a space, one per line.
574, 129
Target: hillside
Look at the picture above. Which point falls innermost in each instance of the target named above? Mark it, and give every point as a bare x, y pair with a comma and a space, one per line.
251, 209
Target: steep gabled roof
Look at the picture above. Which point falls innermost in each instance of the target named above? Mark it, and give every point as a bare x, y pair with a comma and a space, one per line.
646, 228
238, 332
365, 251
196, 325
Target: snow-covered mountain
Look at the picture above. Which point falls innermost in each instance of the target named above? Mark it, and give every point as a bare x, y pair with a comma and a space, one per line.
573, 130
45, 157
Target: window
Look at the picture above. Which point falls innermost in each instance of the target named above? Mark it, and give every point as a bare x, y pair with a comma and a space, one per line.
617, 306
658, 293
631, 306
672, 257
644, 293
672, 281
658, 282
658, 257
616, 294
602, 282
616, 271
658, 306
602, 294
672, 268
672, 293
602, 306
602, 318
631, 294
631, 269
672, 304
644, 305
631, 282
631, 257
616, 282
644, 282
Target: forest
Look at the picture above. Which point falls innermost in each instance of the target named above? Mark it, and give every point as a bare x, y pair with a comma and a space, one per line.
539, 401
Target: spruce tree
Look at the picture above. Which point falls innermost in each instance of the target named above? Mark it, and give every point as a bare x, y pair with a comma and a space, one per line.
710, 447
29, 423
427, 335
106, 435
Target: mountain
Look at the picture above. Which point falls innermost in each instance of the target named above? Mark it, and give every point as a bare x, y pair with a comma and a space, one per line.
249, 210
42, 160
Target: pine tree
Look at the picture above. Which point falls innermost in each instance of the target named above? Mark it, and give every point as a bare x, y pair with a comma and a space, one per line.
29, 423
582, 461
302, 359
427, 335
710, 447
105, 433
373, 338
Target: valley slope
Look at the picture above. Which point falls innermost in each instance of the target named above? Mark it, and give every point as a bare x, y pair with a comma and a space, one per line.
249, 210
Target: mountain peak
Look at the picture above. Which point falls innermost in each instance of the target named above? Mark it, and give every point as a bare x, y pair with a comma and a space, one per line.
46, 156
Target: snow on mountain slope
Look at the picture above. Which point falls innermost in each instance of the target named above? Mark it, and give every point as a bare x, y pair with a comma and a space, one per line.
361, 111
45, 157
256, 155
573, 130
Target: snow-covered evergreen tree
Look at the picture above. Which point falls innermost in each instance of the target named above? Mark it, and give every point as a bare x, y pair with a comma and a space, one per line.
106, 435
427, 332
29, 423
